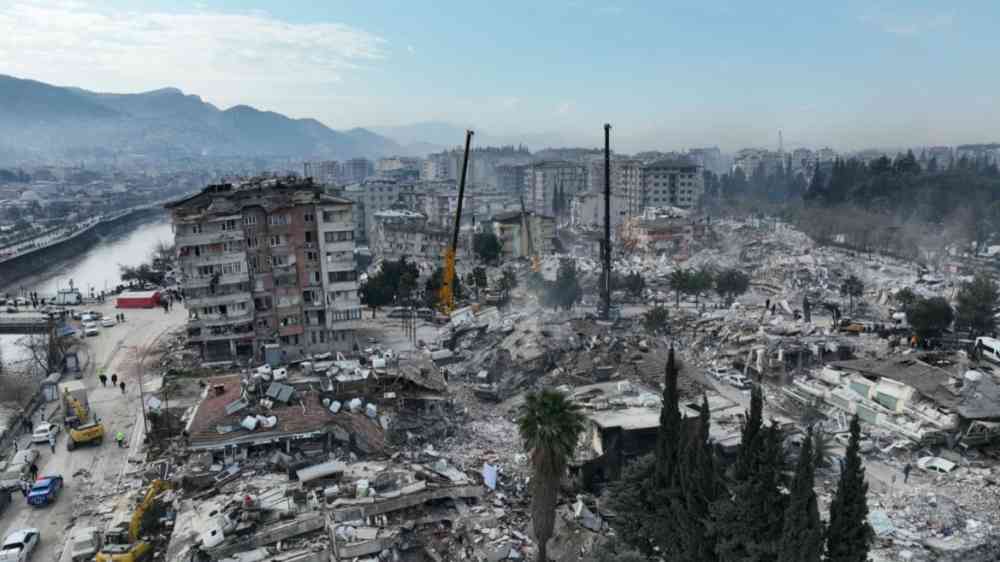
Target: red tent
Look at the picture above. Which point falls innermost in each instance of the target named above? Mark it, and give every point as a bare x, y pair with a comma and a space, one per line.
139, 299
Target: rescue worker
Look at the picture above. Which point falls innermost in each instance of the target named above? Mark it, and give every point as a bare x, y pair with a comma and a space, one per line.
104, 379
114, 379
120, 438
122, 386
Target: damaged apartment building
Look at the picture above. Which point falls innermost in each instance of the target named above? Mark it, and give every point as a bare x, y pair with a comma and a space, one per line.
267, 269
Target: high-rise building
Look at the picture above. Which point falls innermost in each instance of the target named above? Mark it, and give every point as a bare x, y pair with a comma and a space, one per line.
550, 186
358, 169
672, 183
267, 265
626, 181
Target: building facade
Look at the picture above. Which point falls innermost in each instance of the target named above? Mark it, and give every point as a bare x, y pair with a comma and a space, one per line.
515, 242
673, 183
550, 186
267, 263
588, 211
357, 169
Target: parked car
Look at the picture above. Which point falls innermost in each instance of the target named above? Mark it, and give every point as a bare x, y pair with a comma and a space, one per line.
866, 445
91, 329
43, 431
45, 491
737, 380
19, 545
936, 464
108, 322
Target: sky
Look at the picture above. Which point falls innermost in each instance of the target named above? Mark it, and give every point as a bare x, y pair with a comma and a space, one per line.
667, 75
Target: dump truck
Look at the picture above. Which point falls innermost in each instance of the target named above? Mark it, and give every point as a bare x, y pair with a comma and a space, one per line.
121, 542
84, 427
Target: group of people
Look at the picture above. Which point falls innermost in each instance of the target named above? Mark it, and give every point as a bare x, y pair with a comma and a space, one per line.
120, 317
114, 381
26, 484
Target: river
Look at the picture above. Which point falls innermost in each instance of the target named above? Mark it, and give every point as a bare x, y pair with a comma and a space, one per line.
97, 268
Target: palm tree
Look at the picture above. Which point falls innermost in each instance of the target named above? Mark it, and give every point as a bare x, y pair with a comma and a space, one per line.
680, 282
550, 425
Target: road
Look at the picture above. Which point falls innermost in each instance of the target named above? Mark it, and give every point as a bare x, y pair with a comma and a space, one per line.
93, 474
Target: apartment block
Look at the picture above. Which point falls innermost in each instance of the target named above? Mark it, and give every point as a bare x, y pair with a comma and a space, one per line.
267, 263
357, 169
626, 181
673, 183
550, 186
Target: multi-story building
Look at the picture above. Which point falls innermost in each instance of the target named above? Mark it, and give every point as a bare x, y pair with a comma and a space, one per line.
327, 171
510, 178
370, 196
397, 163
674, 183
756, 160
550, 186
709, 159
588, 211
267, 263
437, 167
626, 181
515, 242
357, 169
397, 233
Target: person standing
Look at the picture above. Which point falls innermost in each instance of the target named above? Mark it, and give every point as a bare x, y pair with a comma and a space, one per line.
122, 386
104, 379
52, 442
34, 472
906, 472
120, 439
114, 379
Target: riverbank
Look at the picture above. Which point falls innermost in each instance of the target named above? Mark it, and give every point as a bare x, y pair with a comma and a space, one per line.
16, 273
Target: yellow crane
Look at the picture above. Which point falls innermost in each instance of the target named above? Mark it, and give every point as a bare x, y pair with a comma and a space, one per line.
446, 295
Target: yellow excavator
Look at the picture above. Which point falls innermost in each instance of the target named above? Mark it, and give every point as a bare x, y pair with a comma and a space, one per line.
446, 294
121, 541
82, 432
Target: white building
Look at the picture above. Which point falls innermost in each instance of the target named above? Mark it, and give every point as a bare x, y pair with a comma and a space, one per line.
673, 182
550, 186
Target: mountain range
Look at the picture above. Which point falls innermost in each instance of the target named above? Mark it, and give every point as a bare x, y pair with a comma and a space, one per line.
42, 120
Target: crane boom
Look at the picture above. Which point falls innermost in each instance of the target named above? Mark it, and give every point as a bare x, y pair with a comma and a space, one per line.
446, 295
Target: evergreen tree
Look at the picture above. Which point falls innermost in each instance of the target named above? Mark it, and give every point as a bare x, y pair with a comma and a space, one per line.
802, 534
849, 535
664, 489
700, 487
635, 508
754, 419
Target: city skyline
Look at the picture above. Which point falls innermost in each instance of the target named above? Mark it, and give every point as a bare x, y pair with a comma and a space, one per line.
851, 76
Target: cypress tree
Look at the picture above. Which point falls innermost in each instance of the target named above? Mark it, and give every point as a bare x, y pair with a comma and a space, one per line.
802, 534
849, 534
700, 486
664, 490
747, 453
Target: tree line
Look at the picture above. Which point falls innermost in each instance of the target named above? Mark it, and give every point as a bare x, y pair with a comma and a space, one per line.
687, 502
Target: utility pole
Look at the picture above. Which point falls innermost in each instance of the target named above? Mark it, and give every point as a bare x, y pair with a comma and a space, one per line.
606, 245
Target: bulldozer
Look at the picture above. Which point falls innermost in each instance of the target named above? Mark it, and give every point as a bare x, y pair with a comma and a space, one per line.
83, 432
121, 541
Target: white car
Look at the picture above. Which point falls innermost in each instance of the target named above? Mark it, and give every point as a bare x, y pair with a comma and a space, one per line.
737, 380
91, 329
43, 431
936, 464
108, 322
19, 545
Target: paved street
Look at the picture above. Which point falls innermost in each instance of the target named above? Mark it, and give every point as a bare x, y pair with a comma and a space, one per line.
118, 349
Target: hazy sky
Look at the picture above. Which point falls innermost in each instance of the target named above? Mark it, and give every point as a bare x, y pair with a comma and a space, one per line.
667, 74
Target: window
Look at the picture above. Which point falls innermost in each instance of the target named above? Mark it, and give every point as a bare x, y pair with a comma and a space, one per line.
252, 263
195, 229
251, 242
231, 247
336, 216
338, 236
277, 240
310, 237
309, 217
312, 256
229, 225
279, 260
341, 276
250, 219
277, 220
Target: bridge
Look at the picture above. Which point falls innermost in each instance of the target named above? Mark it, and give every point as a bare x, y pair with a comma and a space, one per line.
25, 323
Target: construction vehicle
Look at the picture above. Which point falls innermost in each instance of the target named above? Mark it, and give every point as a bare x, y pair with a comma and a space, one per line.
82, 430
121, 541
446, 295
76, 406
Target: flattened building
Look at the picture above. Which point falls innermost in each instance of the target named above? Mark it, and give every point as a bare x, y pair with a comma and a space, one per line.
267, 264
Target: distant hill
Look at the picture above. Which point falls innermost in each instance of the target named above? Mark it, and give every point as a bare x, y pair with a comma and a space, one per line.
433, 136
51, 121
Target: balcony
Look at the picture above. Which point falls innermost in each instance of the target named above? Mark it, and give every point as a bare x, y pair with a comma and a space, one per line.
210, 320
225, 279
204, 238
215, 300
207, 258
